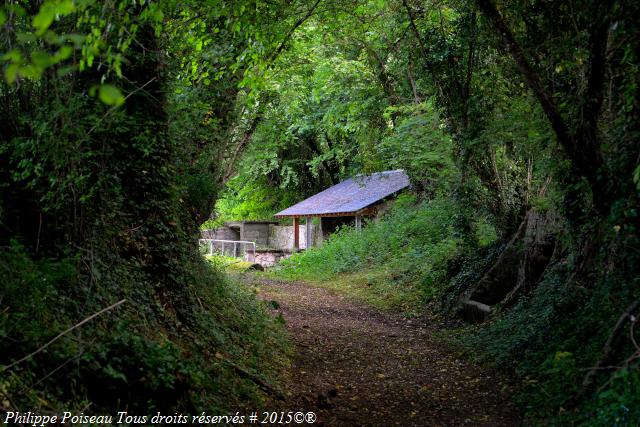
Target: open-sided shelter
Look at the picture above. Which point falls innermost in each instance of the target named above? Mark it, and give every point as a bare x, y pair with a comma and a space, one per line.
353, 199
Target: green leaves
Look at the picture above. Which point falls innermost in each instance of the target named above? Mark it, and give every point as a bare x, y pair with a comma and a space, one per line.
110, 95
11, 72
48, 12
40, 61
40, 48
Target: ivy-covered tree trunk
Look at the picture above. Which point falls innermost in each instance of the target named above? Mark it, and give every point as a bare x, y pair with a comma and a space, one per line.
146, 157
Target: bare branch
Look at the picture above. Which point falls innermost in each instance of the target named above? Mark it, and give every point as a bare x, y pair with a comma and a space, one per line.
61, 334
608, 346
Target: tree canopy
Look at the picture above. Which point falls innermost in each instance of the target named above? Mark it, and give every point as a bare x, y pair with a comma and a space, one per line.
126, 126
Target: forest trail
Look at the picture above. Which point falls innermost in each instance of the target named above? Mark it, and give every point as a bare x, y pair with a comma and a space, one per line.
355, 365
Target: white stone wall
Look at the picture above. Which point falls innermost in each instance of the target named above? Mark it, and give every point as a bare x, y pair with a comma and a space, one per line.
281, 237
266, 258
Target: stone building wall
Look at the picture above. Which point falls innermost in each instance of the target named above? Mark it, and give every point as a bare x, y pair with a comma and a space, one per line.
281, 237
222, 233
256, 232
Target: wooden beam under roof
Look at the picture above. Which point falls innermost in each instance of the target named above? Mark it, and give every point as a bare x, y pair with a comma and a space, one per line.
368, 211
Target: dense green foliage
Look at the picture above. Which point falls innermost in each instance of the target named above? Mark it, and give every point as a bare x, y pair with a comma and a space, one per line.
117, 124
495, 109
126, 125
145, 356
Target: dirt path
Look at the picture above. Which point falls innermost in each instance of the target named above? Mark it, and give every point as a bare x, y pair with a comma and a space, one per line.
357, 366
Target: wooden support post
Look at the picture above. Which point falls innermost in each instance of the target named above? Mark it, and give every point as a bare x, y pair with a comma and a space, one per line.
296, 233
320, 233
308, 237
358, 223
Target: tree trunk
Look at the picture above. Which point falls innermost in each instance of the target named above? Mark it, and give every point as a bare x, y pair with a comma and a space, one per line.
581, 142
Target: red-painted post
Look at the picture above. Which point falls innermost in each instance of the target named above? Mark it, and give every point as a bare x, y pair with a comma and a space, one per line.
296, 233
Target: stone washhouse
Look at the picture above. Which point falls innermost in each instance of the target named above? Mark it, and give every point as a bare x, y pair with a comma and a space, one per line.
346, 203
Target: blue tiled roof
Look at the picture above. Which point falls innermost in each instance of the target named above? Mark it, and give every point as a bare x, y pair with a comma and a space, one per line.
351, 195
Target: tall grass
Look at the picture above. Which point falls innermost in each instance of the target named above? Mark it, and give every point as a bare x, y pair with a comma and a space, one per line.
407, 252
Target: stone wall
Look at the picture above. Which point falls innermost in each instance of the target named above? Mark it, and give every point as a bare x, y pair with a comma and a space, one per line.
266, 235
266, 257
222, 233
281, 237
256, 232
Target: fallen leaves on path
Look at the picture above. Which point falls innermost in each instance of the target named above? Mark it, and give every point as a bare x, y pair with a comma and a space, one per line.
357, 366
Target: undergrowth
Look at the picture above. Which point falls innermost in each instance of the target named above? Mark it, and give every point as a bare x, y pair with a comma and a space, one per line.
552, 338
548, 341
149, 354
